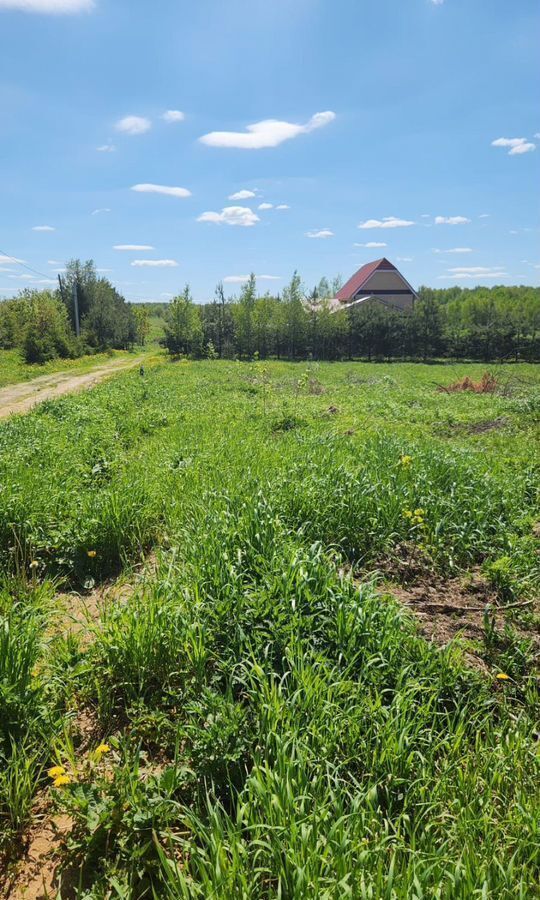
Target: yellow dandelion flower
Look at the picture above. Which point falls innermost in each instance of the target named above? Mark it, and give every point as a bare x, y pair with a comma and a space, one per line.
34, 564
56, 771
62, 780
91, 553
502, 676
405, 460
103, 748
419, 511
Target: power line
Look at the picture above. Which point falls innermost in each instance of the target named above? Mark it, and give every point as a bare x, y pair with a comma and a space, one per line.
19, 263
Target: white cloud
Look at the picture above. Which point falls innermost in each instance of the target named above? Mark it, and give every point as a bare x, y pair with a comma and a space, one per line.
33, 279
265, 206
133, 247
483, 216
517, 145
437, 2
283, 206
102, 209
155, 263
372, 244
241, 195
6, 269
133, 125
425, 216
323, 233
161, 189
470, 276
231, 215
55, 7
387, 222
522, 148
240, 279
404, 258
173, 115
10, 259
455, 250
451, 220
476, 270
268, 133
54, 262
106, 148
43, 228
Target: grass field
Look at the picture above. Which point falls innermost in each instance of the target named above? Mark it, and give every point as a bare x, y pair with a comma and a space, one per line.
247, 710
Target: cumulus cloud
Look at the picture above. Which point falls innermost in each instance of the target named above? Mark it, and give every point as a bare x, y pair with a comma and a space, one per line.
265, 206
106, 148
372, 244
283, 206
240, 279
102, 209
173, 115
323, 233
54, 7
133, 125
231, 215
133, 247
451, 220
43, 228
268, 133
516, 146
387, 222
155, 263
161, 189
241, 195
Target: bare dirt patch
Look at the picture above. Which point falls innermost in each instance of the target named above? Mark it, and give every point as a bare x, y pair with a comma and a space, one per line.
39, 877
456, 608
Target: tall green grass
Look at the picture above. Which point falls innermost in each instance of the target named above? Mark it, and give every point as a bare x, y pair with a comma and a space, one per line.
277, 727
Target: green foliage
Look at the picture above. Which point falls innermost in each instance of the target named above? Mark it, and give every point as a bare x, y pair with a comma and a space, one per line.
183, 330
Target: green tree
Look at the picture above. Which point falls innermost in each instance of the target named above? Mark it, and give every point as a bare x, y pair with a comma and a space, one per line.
183, 328
244, 313
142, 323
296, 318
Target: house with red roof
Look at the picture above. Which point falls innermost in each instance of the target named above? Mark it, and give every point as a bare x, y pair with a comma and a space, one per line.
377, 282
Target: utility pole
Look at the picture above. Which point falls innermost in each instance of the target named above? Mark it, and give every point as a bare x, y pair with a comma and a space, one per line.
76, 308
61, 288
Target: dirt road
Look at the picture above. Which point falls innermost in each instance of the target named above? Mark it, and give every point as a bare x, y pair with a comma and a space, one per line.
20, 398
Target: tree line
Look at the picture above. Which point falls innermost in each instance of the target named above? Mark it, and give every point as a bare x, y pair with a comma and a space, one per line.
481, 323
42, 324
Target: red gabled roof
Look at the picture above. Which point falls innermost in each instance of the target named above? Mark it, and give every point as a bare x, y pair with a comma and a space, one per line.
354, 284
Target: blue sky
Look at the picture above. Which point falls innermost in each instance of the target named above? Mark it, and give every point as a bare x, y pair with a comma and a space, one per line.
374, 113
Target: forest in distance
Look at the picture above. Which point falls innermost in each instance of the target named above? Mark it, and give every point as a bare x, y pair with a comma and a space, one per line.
482, 323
